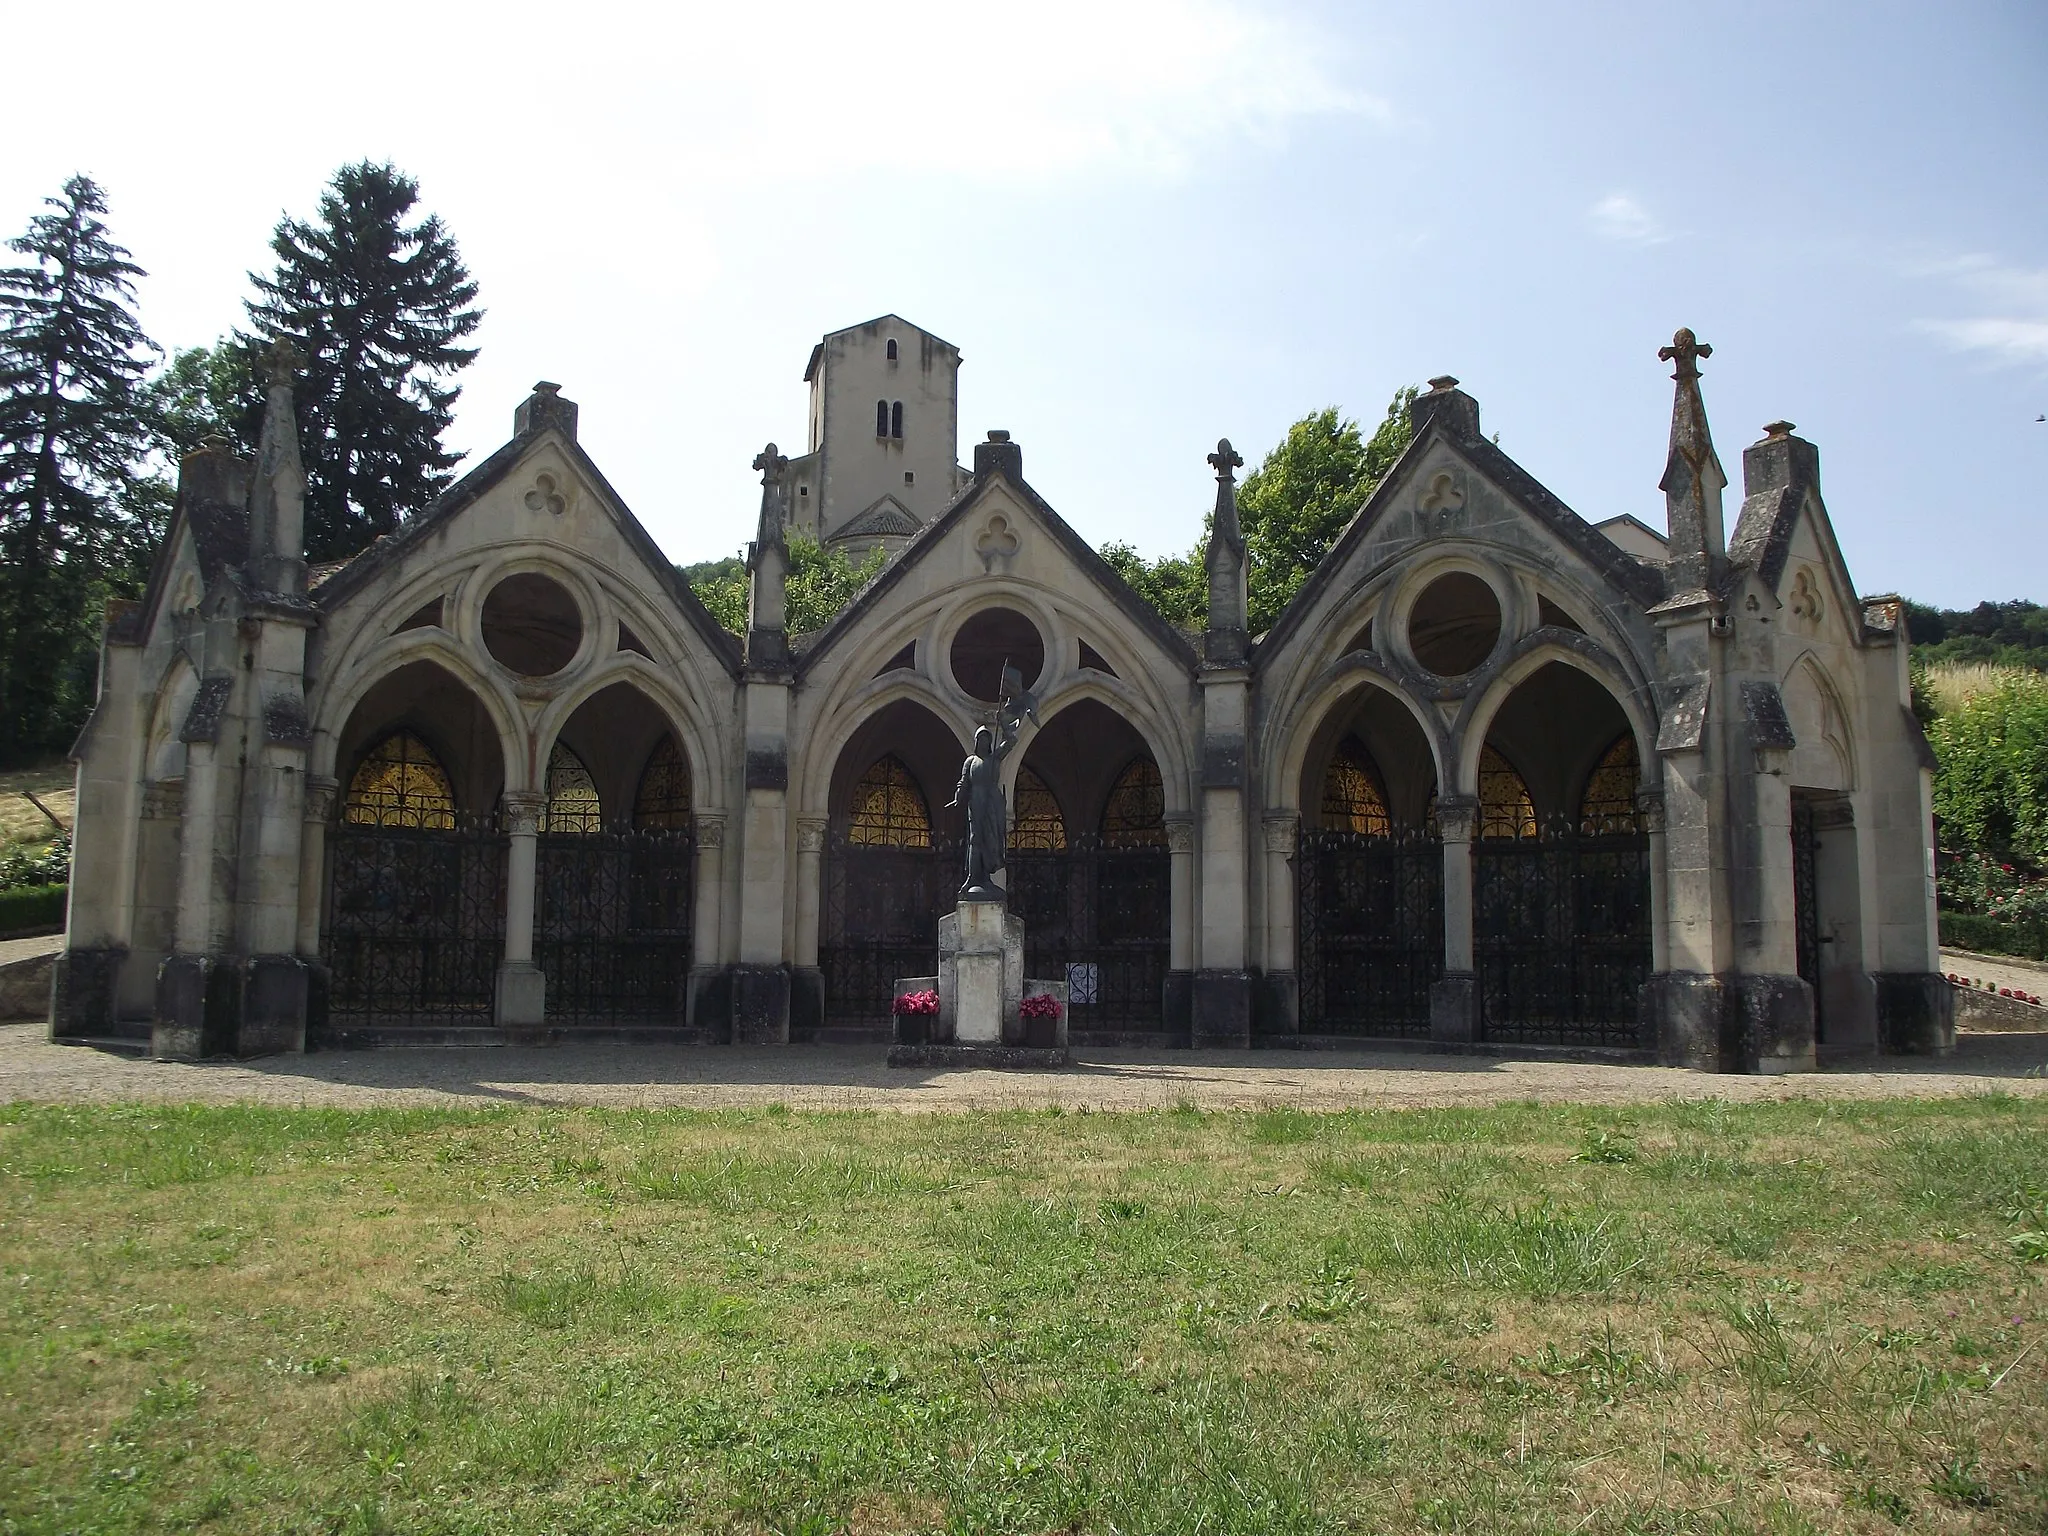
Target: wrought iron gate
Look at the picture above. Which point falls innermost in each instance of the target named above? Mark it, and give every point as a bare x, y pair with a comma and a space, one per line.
880, 920
1099, 917
612, 924
1370, 931
415, 924
1806, 900
1561, 934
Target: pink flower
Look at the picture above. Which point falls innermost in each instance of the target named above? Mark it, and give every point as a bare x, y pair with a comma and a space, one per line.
918, 1002
1040, 1005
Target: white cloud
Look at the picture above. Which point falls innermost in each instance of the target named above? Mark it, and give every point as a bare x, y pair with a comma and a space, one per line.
2016, 330
1619, 216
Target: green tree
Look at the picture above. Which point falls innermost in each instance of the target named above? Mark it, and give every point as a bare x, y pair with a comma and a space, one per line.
205, 392
75, 421
1296, 503
1174, 584
821, 583
1991, 789
376, 305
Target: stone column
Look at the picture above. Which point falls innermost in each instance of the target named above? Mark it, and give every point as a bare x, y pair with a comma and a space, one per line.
807, 981
1454, 1002
193, 1015
321, 794
522, 989
1180, 955
1650, 808
1280, 1008
709, 1003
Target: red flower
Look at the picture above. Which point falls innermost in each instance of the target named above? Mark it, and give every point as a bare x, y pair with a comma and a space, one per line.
1040, 1005
918, 1002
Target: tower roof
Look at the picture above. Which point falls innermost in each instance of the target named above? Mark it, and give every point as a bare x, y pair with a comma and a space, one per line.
818, 351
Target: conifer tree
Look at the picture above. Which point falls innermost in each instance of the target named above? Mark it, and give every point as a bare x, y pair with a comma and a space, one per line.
75, 421
376, 306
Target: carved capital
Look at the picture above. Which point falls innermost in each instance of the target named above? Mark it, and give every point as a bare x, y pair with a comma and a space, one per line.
810, 834
710, 831
1180, 834
1456, 816
1280, 833
320, 797
1650, 809
164, 800
522, 812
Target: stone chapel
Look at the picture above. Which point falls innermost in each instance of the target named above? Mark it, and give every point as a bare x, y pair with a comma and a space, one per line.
1499, 779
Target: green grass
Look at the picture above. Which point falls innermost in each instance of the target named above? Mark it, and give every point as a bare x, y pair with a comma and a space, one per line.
1699, 1317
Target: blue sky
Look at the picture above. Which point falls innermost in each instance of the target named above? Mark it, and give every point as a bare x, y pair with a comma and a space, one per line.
1148, 224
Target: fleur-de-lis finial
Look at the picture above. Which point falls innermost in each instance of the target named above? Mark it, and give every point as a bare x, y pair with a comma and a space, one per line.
1685, 350
1226, 459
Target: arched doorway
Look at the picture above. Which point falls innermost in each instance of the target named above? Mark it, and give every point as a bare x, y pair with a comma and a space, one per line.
892, 864
415, 905
615, 867
1090, 873
1369, 875
1561, 868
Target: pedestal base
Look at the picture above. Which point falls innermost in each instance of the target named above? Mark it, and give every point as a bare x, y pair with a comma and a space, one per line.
970, 1057
1916, 1013
760, 1005
981, 972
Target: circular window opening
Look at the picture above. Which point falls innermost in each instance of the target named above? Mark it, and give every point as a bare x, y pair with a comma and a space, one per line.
531, 625
986, 642
1454, 624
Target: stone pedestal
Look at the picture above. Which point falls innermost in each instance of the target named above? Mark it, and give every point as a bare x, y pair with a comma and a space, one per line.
1454, 1008
981, 984
1916, 1013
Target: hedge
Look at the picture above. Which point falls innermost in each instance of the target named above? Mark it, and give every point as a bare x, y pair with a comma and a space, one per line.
32, 908
1994, 936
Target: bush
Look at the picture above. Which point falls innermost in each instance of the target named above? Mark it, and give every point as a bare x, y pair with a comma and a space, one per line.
1991, 792
20, 868
30, 907
1994, 936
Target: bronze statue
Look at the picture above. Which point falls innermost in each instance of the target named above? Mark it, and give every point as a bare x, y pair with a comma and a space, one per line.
980, 790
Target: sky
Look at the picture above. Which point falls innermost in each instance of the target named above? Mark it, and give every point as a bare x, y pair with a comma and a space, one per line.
1150, 223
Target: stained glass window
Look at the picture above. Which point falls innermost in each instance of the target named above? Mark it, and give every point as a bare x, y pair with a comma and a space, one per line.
400, 783
1354, 800
889, 809
1136, 814
1609, 804
662, 802
1505, 809
572, 797
1037, 824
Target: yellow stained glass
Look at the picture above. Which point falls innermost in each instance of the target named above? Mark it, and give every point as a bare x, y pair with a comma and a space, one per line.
1505, 809
572, 796
1136, 814
1038, 824
1609, 804
662, 802
400, 783
1354, 800
889, 809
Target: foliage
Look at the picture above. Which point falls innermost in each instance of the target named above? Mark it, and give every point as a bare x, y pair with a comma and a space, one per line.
30, 907
1305, 492
1778, 1316
205, 392
1176, 585
20, 866
2008, 634
821, 582
74, 421
1991, 789
377, 307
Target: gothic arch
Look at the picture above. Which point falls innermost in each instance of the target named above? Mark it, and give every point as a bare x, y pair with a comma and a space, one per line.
1529, 656
165, 750
1824, 754
1296, 728
701, 747
336, 703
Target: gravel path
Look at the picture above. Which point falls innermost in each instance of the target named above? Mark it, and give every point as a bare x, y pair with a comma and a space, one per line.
854, 1077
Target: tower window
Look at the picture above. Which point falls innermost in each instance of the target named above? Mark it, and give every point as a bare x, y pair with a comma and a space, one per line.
892, 349
882, 418
896, 419
910, 477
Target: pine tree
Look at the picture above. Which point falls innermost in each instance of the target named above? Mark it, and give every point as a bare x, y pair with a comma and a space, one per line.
376, 306
75, 420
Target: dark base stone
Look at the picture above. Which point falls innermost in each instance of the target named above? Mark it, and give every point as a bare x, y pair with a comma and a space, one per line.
1177, 1002
83, 993
806, 999
1689, 1025
319, 989
1222, 1011
197, 1002
760, 1005
1454, 1008
708, 1003
1276, 1005
1774, 1023
1916, 1013
971, 1056
273, 1012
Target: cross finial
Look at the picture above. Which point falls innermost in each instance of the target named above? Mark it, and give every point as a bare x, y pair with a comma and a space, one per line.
1685, 350
771, 464
1225, 459
283, 362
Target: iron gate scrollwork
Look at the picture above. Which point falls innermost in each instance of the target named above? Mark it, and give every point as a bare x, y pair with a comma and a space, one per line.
1370, 931
415, 923
1806, 900
880, 920
612, 924
1098, 916
1561, 935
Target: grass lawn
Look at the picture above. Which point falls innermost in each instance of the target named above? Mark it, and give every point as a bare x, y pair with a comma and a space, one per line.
1786, 1317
